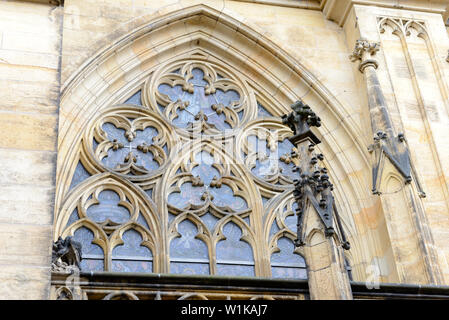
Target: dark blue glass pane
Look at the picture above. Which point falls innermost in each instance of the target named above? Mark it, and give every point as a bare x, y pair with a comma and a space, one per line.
170, 217
235, 270
189, 268
187, 247
262, 112
286, 256
289, 273
204, 168
92, 254
79, 175
274, 228
85, 237
108, 208
269, 161
135, 99
233, 250
132, 247
144, 137
132, 256
210, 221
199, 101
291, 222
227, 98
189, 194
73, 217
187, 254
132, 266
197, 78
141, 220
224, 196
174, 93
114, 133
115, 158
286, 263
92, 265
149, 192
285, 148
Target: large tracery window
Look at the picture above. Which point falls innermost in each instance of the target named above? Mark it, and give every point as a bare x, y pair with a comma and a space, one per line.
189, 175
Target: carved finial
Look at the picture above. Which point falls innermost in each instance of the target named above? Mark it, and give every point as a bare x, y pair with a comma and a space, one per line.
300, 121
66, 255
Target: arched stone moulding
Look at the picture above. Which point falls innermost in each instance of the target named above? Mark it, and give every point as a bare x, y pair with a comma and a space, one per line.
121, 69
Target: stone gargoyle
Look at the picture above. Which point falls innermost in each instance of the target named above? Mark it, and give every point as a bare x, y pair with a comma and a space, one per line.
66, 255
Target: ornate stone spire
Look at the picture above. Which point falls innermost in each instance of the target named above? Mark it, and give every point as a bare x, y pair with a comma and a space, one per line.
319, 227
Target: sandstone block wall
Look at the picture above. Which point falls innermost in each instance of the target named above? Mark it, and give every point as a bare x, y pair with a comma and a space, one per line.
30, 45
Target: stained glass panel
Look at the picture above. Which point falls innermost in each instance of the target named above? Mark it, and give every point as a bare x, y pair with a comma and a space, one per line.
135, 99
286, 263
108, 208
91, 254
188, 254
79, 175
132, 256
234, 256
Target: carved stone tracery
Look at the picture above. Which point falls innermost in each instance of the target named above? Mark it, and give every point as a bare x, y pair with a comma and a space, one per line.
195, 154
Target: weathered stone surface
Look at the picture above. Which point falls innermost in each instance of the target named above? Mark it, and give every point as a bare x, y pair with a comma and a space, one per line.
29, 77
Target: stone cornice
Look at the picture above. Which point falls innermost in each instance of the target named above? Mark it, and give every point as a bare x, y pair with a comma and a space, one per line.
338, 10
50, 2
304, 4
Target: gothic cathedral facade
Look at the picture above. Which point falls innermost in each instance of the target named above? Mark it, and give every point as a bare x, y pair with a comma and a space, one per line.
224, 149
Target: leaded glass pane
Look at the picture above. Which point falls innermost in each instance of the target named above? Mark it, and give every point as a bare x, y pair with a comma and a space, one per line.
79, 175
91, 254
200, 105
188, 254
286, 263
188, 194
262, 112
234, 256
108, 208
135, 99
132, 256
270, 160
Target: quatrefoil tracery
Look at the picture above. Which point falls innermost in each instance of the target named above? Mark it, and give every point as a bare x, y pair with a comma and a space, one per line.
197, 98
268, 154
129, 141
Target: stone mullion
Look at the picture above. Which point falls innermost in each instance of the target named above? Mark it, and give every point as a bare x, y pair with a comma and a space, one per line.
261, 251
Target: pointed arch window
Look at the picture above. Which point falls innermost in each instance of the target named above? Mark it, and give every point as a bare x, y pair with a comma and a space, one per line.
188, 174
